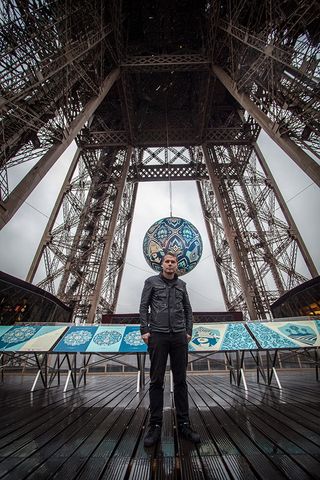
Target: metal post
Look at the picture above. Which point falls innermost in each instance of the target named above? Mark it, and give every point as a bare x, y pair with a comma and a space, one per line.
67, 381
243, 379
171, 381
213, 249
276, 377
35, 381
268, 368
126, 241
230, 236
45, 237
108, 239
138, 381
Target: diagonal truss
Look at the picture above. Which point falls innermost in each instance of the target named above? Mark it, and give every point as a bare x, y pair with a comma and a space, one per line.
256, 246
277, 67
91, 223
49, 69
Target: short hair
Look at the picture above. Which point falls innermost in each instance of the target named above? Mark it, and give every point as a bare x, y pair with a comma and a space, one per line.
171, 254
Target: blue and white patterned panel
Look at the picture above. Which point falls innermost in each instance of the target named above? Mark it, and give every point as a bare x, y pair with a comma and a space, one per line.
127, 339
297, 334
4, 329
102, 339
221, 337
132, 341
237, 338
76, 339
29, 338
15, 338
107, 339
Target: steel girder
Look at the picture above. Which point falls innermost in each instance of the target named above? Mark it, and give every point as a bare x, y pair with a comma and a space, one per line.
242, 134
160, 63
47, 75
32, 178
266, 252
274, 59
85, 223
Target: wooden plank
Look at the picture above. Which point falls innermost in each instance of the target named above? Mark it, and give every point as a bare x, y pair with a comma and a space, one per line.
295, 419
159, 461
80, 445
107, 447
50, 435
97, 431
220, 458
272, 439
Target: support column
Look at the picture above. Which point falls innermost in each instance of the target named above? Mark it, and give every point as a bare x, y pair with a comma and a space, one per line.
126, 241
36, 174
230, 236
109, 239
268, 254
45, 237
286, 212
301, 158
74, 245
213, 249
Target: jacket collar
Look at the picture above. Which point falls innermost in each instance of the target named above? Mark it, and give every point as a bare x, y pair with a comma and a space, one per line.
172, 282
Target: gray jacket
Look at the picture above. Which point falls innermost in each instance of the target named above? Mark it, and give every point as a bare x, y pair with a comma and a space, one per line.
169, 304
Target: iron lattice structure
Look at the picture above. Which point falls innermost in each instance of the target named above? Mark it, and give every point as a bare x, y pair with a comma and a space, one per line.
160, 91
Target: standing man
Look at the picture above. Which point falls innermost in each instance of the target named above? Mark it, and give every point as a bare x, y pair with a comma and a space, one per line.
167, 330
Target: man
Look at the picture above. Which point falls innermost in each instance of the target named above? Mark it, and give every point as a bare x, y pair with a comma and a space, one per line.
167, 330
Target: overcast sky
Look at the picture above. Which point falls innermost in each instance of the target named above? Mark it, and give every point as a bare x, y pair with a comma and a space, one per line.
19, 239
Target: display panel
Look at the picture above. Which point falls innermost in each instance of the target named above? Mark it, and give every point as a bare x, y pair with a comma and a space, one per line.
29, 338
288, 334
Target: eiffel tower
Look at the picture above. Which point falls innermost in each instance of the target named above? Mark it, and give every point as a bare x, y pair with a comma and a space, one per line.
161, 90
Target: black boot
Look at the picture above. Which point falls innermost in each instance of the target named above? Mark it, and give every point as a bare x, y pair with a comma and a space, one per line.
189, 434
153, 436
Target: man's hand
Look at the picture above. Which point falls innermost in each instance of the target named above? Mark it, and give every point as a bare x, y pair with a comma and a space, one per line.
189, 338
145, 337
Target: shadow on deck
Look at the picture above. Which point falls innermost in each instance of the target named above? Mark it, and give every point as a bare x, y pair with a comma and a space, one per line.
96, 431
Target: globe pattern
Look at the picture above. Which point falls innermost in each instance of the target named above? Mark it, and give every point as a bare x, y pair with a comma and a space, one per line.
176, 235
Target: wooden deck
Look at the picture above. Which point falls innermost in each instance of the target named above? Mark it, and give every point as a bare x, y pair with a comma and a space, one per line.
96, 431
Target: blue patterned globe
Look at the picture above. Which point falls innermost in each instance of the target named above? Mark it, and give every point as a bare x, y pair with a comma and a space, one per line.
176, 235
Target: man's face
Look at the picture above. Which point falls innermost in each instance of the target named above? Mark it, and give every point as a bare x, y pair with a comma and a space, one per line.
169, 264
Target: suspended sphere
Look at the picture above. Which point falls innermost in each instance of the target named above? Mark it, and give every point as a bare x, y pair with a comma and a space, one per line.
176, 235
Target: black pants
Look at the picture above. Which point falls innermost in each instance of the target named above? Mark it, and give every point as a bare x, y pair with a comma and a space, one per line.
176, 345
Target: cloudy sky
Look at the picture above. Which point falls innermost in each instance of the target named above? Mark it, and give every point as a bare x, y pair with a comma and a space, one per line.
19, 239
